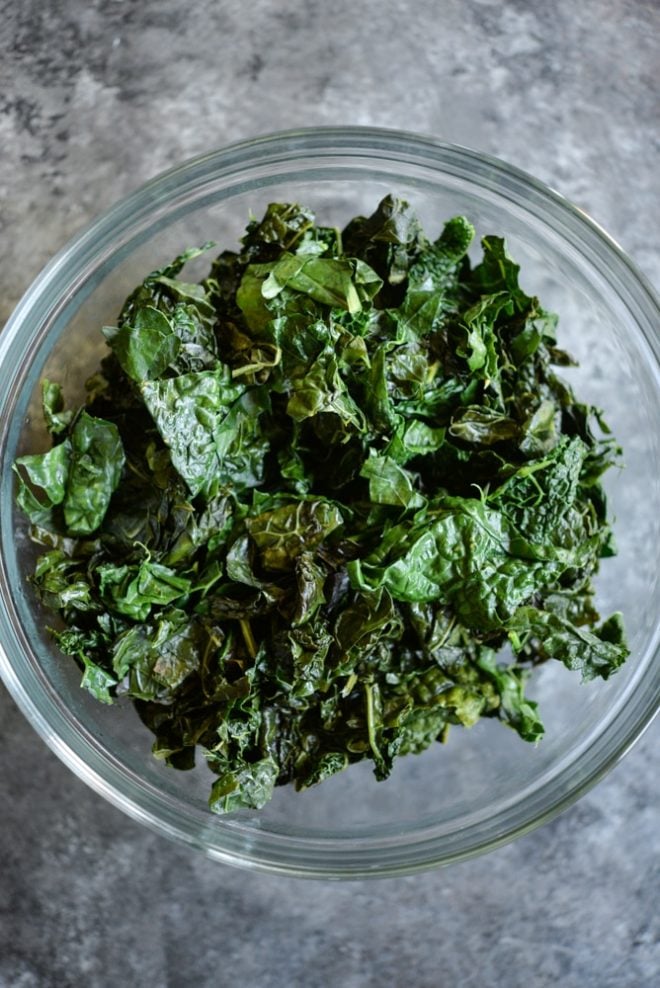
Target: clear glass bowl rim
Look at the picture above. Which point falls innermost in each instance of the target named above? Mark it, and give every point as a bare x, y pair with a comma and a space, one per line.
314, 857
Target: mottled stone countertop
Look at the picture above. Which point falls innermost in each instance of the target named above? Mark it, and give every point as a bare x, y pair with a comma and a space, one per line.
96, 96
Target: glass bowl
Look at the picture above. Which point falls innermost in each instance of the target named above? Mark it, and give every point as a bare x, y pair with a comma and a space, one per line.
485, 786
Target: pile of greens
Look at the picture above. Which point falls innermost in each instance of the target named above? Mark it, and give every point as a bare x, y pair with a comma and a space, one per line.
310, 499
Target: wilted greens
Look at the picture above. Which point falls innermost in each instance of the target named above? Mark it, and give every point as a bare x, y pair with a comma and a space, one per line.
310, 499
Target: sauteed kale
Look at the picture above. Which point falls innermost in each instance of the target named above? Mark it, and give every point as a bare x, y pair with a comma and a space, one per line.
310, 499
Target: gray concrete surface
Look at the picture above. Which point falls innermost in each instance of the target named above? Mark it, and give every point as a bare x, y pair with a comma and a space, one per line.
96, 97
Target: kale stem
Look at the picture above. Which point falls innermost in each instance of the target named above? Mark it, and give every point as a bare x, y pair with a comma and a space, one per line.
448, 631
248, 637
349, 684
432, 370
371, 729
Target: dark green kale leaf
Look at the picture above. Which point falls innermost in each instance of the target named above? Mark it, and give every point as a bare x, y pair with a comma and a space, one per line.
310, 500
389, 241
210, 426
599, 652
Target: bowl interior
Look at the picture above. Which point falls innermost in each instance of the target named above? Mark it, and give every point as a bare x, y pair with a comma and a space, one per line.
485, 783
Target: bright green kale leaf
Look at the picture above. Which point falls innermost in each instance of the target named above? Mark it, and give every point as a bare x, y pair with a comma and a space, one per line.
390, 483
81, 474
47, 475
147, 347
250, 786
515, 708
460, 553
96, 464
57, 419
62, 582
133, 590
